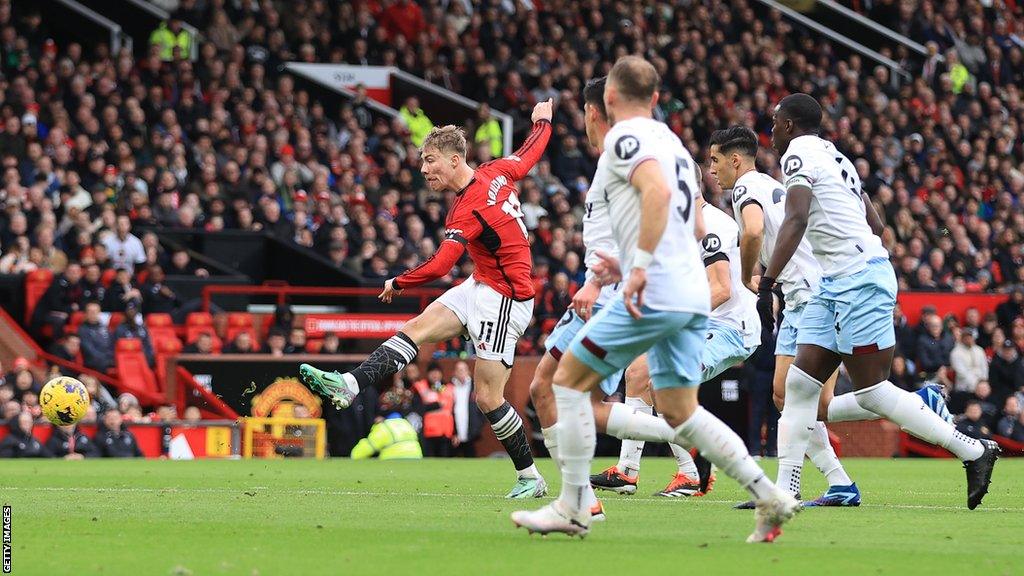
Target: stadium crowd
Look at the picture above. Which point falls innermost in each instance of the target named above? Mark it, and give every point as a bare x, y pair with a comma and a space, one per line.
95, 145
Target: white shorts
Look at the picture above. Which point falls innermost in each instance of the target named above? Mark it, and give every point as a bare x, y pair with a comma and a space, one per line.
493, 322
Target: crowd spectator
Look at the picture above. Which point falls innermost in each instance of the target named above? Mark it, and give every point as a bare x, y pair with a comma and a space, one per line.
331, 344
469, 420
968, 361
203, 344
1010, 415
134, 326
115, 439
19, 442
69, 443
68, 348
972, 423
436, 401
95, 145
242, 344
63, 297
121, 294
276, 342
933, 347
296, 341
97, 342
1006, 373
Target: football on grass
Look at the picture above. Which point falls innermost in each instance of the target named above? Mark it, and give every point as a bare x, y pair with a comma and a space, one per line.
64, 400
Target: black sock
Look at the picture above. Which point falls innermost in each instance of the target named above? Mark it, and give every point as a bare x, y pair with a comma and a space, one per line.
389, 358
508, 427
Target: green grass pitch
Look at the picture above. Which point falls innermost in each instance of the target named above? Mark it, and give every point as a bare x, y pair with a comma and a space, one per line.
448, 517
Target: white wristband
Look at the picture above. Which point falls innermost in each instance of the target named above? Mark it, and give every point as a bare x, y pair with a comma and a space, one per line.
642, 259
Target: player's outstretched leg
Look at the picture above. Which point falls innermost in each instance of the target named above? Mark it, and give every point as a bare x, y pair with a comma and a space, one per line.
908, 411
844, 408
388, 359
435, 324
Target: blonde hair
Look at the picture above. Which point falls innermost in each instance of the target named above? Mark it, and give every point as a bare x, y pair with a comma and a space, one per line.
447, 138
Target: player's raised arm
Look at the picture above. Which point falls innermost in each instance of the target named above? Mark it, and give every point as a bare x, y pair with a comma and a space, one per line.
519, 164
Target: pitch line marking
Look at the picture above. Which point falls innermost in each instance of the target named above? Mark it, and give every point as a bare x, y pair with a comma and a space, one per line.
326, 492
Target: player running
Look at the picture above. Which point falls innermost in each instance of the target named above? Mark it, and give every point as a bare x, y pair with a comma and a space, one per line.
848, 318
493, 306
651, 186
757, 202
619, 420
734, 333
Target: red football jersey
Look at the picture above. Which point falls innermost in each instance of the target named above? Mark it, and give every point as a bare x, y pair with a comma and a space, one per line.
486, 220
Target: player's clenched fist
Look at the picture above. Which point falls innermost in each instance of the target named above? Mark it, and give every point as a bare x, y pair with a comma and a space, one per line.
542, 111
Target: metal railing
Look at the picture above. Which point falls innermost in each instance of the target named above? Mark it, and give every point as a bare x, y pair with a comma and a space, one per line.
425, 295
895, 67
875, 26
118, 38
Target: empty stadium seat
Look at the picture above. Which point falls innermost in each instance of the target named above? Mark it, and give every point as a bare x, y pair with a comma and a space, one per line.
36, 283
161, 328
131, 366
313, 346
164, 349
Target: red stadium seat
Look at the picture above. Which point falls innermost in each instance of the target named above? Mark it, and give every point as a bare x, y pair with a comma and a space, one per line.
74, 322
165, 348
36, 283
131, 366
158, 320
116, 318
108, 277
313, 346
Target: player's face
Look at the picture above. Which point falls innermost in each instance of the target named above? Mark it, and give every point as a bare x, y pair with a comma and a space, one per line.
591, 120
437, 169
780, 132
721, 169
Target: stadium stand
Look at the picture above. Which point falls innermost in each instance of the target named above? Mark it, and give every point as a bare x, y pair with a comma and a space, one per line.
229, 142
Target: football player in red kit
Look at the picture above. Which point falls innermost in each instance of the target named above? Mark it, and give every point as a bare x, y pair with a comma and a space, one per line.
493, 306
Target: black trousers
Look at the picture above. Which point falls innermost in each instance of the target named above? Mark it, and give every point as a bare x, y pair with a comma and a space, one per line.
437, 447
762, 411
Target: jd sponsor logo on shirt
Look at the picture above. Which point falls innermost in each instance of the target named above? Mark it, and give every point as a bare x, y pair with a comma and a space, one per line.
627, 147
793, 163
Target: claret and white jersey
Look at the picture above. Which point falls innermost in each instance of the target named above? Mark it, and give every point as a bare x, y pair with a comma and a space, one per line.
597, 230
837, 225
675, 279
722, 242
800, 277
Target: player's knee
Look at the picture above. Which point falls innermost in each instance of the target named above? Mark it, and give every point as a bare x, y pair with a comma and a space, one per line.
637, 378
488, 400
540, 388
